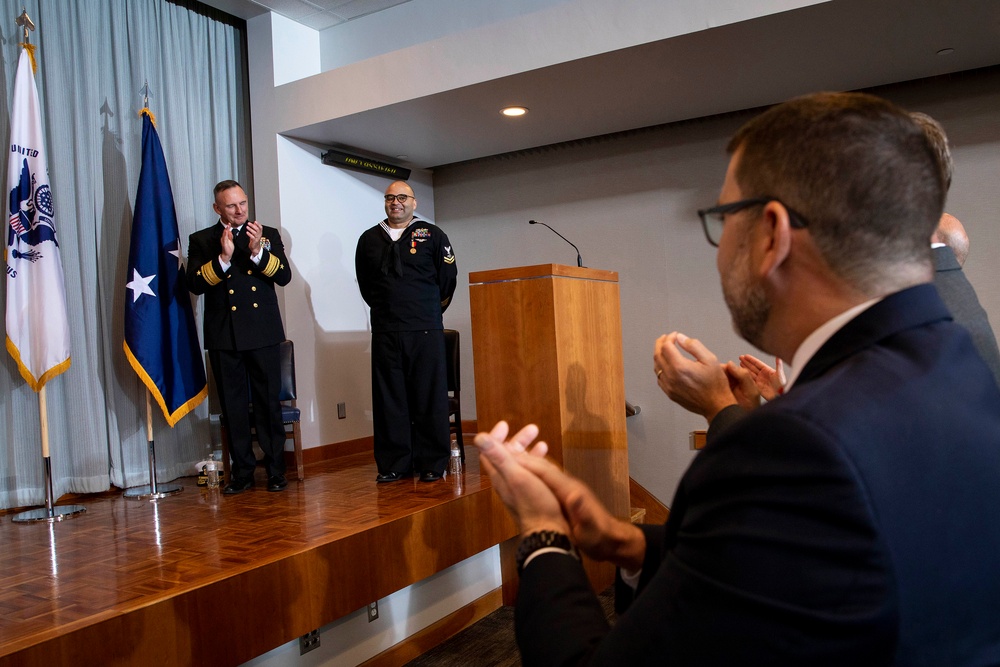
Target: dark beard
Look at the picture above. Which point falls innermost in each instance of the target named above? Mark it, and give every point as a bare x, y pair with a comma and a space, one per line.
749, 309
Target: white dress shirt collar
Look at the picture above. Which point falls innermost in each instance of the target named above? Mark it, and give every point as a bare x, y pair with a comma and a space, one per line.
810, 346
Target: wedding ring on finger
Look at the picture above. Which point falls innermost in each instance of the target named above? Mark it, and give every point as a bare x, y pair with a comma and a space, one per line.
659, 372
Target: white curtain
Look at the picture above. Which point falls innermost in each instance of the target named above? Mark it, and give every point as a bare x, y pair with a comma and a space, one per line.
94, 57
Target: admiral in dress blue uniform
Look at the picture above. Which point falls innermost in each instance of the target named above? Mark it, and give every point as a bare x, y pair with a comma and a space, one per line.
236, 265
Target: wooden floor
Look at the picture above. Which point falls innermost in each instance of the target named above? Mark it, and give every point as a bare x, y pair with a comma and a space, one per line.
155, 582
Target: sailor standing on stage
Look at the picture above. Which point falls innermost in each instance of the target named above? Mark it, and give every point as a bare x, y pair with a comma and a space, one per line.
407, 274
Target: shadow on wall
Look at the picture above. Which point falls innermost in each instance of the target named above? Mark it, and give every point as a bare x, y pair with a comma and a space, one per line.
343, 375
116, 229
341, 340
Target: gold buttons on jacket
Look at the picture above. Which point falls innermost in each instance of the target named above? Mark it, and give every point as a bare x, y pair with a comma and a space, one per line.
234, 307
253, 288
232, 292
249, 272
255, 305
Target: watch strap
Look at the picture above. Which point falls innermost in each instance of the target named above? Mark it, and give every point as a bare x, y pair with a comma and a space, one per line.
549, 540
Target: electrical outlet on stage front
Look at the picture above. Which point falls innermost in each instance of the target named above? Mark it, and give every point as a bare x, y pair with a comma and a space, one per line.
373, 611
308, 641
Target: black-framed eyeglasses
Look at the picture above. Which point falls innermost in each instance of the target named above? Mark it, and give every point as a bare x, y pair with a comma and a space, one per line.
400, 198
713, 219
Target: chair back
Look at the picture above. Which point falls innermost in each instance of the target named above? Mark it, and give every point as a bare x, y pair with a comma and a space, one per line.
286, 350
451, 353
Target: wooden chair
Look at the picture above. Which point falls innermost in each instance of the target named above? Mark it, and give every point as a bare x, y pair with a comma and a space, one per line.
453, 356
290, 414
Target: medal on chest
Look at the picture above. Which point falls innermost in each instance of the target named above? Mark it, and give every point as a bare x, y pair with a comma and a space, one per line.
420, 235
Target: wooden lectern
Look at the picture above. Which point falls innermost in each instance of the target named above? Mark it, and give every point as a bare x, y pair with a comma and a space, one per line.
547, 347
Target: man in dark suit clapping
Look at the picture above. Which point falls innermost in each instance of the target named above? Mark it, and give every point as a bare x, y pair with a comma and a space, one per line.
840, 524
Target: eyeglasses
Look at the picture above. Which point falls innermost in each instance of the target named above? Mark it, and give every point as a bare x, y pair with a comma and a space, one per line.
400, 198
713, 219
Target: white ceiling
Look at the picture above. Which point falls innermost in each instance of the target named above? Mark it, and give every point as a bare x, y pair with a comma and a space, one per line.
316, 14
838, 45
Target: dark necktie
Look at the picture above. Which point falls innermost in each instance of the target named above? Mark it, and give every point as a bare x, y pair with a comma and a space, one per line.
391, 260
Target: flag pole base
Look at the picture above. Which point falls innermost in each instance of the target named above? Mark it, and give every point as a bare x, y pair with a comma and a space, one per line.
147, 492
50, 515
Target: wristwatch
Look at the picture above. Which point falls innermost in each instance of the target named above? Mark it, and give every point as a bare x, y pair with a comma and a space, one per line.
543, 539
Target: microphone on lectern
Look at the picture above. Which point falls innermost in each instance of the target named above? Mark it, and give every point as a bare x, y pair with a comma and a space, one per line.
579, 260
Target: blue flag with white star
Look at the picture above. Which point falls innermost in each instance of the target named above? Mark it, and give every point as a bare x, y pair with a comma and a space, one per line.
161, 341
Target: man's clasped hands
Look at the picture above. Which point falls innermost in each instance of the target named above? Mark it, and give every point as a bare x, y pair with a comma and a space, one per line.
542, 497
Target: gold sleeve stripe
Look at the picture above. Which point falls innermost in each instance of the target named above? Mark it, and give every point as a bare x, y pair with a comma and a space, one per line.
273, 264
208, 273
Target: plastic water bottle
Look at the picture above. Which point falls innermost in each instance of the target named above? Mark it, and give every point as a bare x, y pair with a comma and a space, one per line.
212, 474
455, 462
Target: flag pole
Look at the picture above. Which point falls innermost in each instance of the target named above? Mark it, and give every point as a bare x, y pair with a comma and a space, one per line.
151, 491
50, 513
43, 420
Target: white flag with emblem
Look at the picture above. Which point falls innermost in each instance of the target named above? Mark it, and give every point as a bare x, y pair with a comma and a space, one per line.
37, 326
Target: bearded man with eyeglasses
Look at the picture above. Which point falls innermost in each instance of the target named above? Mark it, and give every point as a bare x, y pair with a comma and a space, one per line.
846, 521
407, 274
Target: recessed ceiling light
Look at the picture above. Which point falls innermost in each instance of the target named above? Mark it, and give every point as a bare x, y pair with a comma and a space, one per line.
514, 111
946, 52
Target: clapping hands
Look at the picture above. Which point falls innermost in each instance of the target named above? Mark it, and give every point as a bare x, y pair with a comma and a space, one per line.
541, 496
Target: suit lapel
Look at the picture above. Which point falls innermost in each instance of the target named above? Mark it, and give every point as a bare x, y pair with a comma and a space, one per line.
912, 307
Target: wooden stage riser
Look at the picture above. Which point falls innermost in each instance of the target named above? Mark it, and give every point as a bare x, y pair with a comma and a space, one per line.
247, 614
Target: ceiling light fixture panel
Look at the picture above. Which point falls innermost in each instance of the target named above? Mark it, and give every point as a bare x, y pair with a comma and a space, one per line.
514, 112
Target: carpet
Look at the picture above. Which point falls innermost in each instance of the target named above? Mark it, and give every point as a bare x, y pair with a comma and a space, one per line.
490, 642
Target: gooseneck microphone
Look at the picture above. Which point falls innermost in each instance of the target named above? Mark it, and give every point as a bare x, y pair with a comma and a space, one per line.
579, 260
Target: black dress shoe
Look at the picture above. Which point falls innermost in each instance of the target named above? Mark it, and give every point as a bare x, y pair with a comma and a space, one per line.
238, 486
390, 477
276, 483
429, 476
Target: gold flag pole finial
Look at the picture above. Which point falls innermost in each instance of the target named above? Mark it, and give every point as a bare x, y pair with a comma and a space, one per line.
145, 103
27, 24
